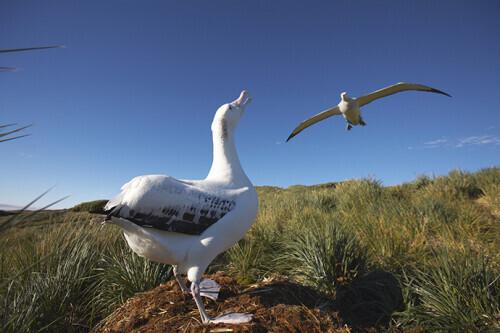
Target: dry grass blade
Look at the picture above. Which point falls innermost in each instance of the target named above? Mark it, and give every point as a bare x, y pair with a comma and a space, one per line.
13, 138
16, 218
49, 205
7, 125
15, 130
31, 48
13, 69
7, 69
5, 134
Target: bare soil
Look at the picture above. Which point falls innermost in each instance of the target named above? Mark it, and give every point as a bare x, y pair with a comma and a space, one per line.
278, 305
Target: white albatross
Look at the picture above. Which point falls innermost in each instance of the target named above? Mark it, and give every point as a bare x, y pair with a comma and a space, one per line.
187, 223
349, 107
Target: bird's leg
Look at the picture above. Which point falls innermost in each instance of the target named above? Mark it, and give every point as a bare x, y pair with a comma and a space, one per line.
195, 291
228, 318
348, 127
180, 280
362, 122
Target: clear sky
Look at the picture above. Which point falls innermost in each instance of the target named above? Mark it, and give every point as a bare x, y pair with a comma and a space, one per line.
136, 87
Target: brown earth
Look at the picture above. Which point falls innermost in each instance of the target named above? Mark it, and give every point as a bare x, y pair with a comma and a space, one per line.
277, 305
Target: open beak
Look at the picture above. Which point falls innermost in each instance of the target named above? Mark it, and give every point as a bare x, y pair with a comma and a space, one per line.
243, 100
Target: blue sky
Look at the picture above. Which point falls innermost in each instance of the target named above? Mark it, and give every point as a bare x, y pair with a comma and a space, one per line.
135, 89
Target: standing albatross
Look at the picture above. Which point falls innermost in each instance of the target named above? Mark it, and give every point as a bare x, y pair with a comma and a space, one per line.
349, 107
187, 223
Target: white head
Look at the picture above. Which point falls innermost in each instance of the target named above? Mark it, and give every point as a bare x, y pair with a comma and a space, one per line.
228, 115
344, 97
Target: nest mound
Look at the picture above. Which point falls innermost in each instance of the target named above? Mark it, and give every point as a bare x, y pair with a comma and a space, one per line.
278, 305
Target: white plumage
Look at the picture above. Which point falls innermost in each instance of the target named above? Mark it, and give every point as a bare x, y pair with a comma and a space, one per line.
187, 223
349, 107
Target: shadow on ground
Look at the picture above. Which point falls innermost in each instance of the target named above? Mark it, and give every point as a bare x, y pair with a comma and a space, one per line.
278, 305
369, 301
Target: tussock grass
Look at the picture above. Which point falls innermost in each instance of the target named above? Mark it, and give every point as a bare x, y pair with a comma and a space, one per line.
66, 276
437, 236
246, 261
397, 229
95, 207
459, 292
123, 273
323, 255
51, 280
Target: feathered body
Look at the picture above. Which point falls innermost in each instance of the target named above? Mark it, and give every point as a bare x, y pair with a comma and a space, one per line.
187, 223
349, 107
159, 196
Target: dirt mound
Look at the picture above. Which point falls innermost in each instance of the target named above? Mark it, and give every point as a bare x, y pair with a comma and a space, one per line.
277, 305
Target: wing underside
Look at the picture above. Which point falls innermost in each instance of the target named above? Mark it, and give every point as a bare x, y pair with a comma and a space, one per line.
313, 120
394, 89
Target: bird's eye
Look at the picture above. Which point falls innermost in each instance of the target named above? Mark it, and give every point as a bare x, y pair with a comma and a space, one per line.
230, 107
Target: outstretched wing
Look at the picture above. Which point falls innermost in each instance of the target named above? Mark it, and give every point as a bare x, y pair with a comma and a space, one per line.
168, 204
394, 89
313, 120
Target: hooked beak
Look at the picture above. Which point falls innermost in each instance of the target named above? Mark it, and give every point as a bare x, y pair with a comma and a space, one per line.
243, 100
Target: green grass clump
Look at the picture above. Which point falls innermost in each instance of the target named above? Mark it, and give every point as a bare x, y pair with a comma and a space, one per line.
323, 255
459, 293
122, 273
434, 241
246, 262
67, 276
95, 207
50, 282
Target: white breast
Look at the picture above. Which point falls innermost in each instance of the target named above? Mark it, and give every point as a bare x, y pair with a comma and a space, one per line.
350, 111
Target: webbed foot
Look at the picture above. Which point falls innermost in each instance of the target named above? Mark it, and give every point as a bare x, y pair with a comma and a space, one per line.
232, 318
228, 318
210, 289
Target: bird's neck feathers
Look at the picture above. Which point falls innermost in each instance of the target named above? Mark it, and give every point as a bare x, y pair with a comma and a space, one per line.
226, 167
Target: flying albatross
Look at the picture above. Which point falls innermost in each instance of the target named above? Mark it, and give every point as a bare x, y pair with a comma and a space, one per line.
187, 223
349, 107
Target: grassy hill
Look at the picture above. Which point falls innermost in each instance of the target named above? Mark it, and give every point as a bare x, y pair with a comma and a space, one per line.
62, 271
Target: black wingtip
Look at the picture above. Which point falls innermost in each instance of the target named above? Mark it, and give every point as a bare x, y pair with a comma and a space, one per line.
112, 212
437, 91
291, 136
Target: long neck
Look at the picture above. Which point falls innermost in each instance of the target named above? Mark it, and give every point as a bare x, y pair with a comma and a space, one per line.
226, 167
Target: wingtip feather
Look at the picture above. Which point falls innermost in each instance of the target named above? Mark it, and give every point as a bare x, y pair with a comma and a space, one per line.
437, 91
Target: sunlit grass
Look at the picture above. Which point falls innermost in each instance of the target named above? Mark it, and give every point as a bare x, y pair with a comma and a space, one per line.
122, 273
323, 255
437, 236
458, 292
